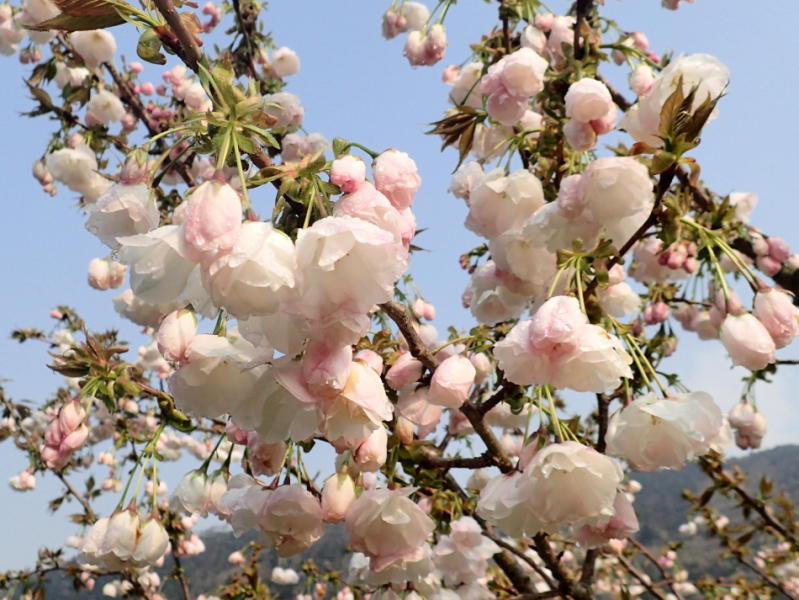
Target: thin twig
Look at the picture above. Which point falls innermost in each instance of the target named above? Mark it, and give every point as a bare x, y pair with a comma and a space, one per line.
78, 496
642, 579
178, 571
651, 558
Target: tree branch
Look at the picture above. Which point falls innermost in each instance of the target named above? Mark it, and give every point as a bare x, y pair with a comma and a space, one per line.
457, 462
178, 571
566, 584
582, 7
78, 496
188, 51
663, 574
642, 579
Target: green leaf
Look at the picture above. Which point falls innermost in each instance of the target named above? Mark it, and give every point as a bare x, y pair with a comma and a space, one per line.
340, 146
149, 48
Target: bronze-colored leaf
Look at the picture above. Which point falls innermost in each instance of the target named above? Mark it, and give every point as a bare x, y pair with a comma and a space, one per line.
81, 15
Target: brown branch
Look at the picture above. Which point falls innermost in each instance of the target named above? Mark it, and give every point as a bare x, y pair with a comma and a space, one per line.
642, 579
582, 7
132, 100
78, 496
765, 576
717, 473
529, 561
615, 94
651, 558
188, 51
457, 462
566, 584
505, 18
178, 572
504, 560
407, 327
505, 390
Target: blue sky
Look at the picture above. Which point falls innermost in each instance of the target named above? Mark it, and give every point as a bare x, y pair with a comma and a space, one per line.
356, 85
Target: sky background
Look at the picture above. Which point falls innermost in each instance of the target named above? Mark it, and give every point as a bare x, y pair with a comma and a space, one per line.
356, 85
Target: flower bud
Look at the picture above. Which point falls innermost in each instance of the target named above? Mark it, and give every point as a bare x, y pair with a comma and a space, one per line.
424, 310
778, 249
94, 47
371, 358
175, 335
587, 100
285, 62
482, 365
397, 178
337, 495
776, 311
348, 172
212, 220
580, 136
747, 341
641, 80
405, 370
371, 454
451, 382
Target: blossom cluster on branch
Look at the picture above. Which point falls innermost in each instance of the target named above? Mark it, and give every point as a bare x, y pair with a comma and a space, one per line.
269, 270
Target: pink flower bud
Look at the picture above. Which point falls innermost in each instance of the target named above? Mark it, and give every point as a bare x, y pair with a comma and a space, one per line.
482, 366
41, 174
424, 310
641, 80
325, 367
544, 21
396, 177
348, 172
405, 370
265, 458
175, 335
747, 341
99, 276
136, 67
749, 426
371, 358
450, 74
236, 434
371, 454
451, 382
147, 88
778, 249
580, 136
212, 220
622, 524
588, 100
65, 434
393, 24
236, 558
728, 304
338, 494
768, 265
640, 40
607, 123
776, 311
656, 313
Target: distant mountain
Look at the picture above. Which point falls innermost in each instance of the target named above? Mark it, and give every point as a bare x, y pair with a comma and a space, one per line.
660, 506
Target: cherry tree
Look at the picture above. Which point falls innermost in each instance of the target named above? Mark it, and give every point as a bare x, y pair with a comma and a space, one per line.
268, 271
